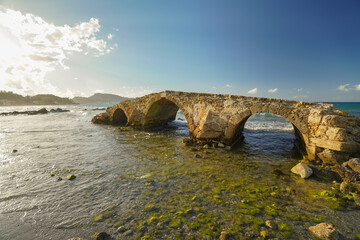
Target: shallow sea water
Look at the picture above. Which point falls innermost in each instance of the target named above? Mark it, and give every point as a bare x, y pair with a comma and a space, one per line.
147, 185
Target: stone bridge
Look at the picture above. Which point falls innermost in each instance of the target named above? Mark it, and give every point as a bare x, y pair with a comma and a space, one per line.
325, 133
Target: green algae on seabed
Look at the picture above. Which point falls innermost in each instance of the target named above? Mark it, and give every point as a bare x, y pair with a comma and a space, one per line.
198, 198
333, 198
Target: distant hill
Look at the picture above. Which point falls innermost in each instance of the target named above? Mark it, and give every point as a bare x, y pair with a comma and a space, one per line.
13, 99
100, 98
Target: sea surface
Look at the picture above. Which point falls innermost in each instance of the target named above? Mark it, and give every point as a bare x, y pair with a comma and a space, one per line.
146, 185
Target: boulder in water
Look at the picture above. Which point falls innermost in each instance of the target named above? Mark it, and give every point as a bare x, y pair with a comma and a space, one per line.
303, 170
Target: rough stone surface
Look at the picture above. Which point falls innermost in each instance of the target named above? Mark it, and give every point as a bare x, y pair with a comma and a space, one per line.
324, 231
303, 170
328, 156
354, 164
221, 118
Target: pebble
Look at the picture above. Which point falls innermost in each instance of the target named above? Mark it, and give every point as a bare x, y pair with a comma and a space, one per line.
14, 151
221, 145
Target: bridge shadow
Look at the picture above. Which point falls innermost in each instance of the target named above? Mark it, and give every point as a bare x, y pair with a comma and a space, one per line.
269, 135
176, 127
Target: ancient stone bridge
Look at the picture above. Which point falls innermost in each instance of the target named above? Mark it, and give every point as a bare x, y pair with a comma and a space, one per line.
326, 133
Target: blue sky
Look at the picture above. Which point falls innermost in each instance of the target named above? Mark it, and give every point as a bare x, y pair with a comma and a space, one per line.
303, 50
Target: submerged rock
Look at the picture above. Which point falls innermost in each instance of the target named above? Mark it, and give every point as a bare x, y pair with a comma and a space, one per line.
71, 177
303, 170
34, 112
102, 236
270, 224
58, 110
278, 172
324, 231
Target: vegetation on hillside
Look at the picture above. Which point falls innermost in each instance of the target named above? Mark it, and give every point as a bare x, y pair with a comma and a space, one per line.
13, 99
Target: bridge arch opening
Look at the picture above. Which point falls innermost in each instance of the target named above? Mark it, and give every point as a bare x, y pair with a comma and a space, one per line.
119, 117
270, 134
163, 111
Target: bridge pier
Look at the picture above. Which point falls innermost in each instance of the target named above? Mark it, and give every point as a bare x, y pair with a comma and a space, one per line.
326, 133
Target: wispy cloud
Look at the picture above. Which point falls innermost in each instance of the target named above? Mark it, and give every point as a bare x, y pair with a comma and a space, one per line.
110, 36
133, 92
273, 90
228, 86
357, 87
344, 87
253, 91
296, 97
32, 47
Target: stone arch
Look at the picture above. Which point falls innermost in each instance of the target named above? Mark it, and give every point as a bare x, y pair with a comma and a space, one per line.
236, 124
162, 109
119, 117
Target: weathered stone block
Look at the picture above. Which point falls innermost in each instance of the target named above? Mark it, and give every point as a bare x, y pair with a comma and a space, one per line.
256, 108
337, 134
334, 121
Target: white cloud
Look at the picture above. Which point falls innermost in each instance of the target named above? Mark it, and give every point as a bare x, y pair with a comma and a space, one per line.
273, 90
31, 47
228, 86
299, 97
110, 36
99, 91
253, 91
344, 87
357, 87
